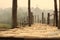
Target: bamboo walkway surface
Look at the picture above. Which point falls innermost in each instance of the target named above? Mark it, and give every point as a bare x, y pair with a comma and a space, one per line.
36, 30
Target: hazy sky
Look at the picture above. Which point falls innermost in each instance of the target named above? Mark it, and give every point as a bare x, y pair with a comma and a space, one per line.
43, 4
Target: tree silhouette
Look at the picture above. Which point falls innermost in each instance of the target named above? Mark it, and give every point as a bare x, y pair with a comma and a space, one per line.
14, 14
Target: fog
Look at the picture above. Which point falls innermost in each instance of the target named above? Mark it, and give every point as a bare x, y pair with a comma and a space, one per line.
42, 4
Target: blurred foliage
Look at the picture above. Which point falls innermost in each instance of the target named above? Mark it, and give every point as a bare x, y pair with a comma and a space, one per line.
5, 25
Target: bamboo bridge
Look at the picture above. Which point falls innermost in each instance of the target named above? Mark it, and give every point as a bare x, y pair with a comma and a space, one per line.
34, 30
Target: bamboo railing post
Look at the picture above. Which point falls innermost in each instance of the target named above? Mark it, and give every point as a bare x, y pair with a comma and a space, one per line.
42, 18
29, 14
59, 16
48, 18
59, 20
14, 14
54, 22
32, 18
56, 12
38, 18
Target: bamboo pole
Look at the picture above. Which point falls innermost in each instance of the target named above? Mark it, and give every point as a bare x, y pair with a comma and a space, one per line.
14, 14
56, 12
59, 16
29, 13
42, 18
48, 18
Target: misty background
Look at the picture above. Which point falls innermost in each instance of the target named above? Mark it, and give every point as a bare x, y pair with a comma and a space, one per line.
37, 7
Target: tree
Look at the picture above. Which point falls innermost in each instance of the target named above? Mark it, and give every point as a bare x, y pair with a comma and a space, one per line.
14, 14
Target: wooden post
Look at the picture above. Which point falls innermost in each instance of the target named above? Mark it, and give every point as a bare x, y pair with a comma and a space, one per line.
48, 18
29, 13
35, 18
56, 12
59, 20
32, 18
14, 14
38, 18
54, 22
42, 18
59, 16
